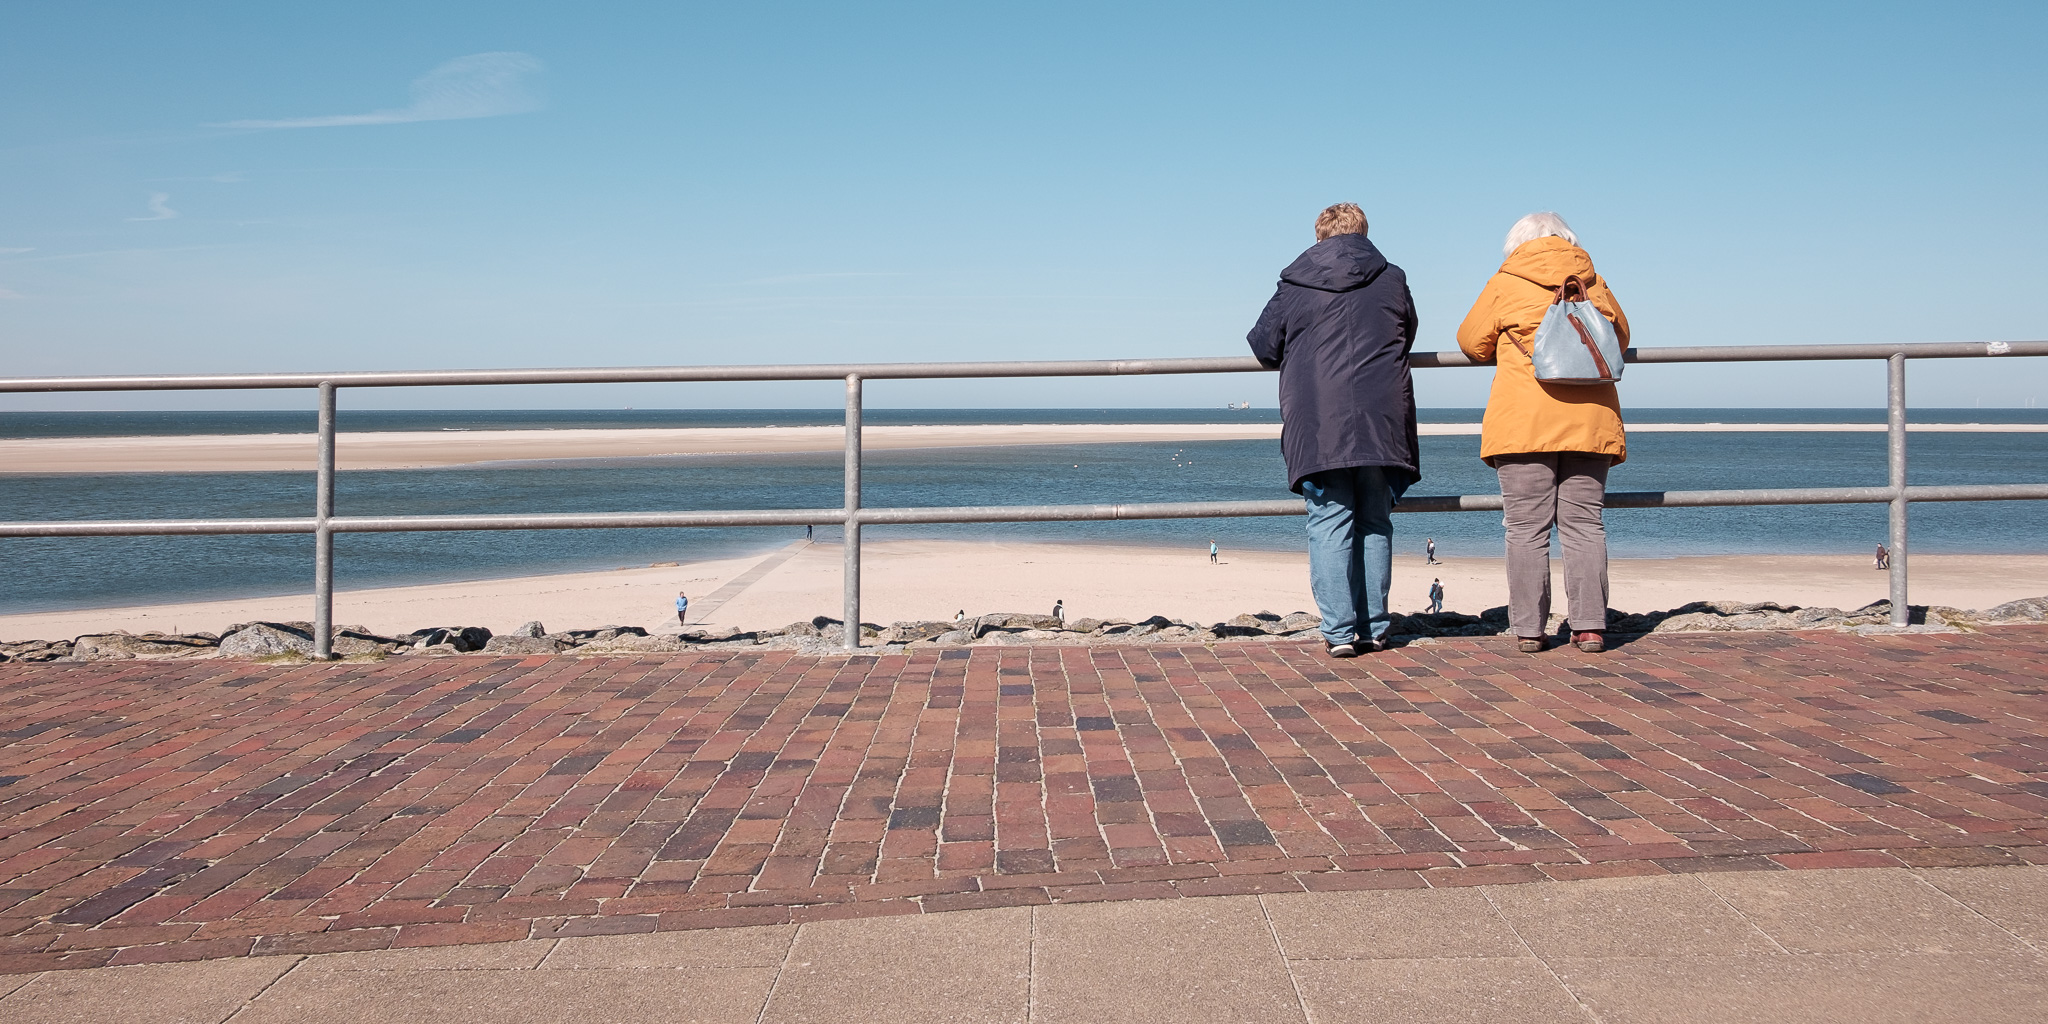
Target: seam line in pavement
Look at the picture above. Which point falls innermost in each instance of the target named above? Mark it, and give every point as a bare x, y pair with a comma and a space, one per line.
1031, 968
775, 984
267, 986
1755, 927
711, 602
1951, 897
1555, 977
1285, 964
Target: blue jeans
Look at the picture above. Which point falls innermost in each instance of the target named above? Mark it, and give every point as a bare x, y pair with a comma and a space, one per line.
1350, 549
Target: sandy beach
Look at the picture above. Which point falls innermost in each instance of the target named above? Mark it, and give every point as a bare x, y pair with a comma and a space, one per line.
250, 453
933, 579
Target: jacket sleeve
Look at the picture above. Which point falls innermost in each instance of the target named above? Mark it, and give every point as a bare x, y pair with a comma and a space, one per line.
1269, 336
1480, 333
1612, 307
1409, 321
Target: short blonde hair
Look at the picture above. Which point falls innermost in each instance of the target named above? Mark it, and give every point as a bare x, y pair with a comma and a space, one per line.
1535, 226
1341, 219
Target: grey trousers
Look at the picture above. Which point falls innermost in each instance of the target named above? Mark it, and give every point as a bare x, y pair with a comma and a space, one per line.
1568, 489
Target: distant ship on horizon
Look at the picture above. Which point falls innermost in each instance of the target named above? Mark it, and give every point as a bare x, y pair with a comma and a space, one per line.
1238, 405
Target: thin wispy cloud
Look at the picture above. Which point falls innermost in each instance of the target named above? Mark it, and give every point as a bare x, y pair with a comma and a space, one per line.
827, 276
158, 210
99, 253
15, 250
230, 178
9, 293
479, 85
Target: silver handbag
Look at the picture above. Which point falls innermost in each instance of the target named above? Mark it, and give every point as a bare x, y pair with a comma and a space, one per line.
1576, 343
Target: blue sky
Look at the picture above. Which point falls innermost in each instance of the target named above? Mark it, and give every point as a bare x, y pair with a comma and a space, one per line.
262, 186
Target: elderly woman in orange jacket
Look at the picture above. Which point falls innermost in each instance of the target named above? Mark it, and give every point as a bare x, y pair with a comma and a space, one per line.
1551, 443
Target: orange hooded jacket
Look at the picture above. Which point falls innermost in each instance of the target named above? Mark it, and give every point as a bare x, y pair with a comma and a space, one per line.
1523, 415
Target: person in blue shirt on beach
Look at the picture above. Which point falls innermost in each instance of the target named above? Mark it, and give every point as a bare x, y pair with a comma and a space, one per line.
1338, 328
682, 606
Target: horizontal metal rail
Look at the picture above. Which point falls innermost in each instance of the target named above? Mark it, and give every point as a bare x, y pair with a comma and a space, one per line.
323, 524
948, 514
908, 371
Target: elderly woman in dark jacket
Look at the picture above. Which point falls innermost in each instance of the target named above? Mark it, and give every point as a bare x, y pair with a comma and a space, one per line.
1339, 328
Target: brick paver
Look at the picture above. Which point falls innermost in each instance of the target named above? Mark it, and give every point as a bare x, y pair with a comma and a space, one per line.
182, 810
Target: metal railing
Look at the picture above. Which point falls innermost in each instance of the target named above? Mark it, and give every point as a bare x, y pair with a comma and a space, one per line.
324, 524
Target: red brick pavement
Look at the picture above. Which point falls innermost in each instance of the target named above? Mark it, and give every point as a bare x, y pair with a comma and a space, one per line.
181, 810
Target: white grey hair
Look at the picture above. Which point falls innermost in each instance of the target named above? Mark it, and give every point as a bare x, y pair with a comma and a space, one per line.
1535, 226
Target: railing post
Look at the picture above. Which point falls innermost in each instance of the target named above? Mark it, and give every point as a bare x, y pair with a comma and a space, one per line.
323, 532
1895, 430
851, 612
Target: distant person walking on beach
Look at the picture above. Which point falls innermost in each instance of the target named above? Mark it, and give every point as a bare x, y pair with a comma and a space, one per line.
1212, 552
1429, 550
1059, 610
1884, 557
807, 531
682, 607
1436, 596
1339, 327
1551, 443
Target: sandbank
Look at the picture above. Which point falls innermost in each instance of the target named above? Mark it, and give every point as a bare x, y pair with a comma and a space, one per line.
230, 453
934, 579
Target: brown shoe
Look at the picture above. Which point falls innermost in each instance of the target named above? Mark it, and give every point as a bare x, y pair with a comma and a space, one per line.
1590, 642
1530, 644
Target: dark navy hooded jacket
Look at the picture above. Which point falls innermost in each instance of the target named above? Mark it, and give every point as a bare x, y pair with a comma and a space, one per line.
1339, 328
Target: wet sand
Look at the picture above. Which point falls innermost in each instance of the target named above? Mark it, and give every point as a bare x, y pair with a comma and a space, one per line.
229, 453
933, 579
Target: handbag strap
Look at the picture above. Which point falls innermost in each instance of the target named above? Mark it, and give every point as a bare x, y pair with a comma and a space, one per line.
1562, 293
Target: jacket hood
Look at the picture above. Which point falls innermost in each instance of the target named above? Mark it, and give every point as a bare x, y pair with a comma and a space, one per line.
1339, 263
1548, 261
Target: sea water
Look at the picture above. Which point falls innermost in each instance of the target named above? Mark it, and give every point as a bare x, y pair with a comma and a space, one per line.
51, 574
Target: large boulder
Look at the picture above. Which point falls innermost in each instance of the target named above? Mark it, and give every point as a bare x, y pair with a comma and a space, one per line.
121, 645
463, 638
2027, 609
35, 650
704, 635
631, 643
1021, 637
834, 631
1015, 620
351, 640
598, 635
271, 639
522, 645
701, 635
906, 632
1295, 622
821, 646
267, 640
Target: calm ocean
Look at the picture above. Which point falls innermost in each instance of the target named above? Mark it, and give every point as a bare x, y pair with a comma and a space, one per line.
74, 573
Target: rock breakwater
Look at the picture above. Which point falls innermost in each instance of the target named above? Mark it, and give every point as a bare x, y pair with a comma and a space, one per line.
293, 641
